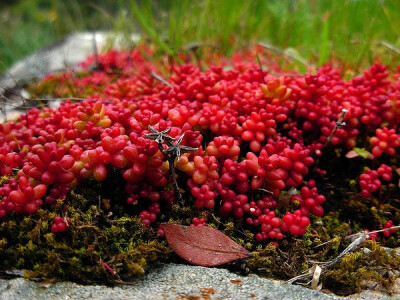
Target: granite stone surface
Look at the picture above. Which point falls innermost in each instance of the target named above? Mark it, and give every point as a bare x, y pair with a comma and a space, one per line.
174, 281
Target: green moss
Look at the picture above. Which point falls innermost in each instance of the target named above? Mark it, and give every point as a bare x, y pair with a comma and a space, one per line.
268, 261
3, 243
182, 213
358, 269
4, 180
93, 238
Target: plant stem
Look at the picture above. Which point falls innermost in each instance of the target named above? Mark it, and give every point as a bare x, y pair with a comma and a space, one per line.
338, 124
159, 78
171, 161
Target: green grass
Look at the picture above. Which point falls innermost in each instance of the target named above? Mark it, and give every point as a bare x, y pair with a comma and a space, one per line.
351, 31
28, 25
346, 30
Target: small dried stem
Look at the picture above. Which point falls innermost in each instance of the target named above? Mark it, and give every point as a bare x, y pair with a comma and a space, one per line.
390, 47
261, 70
73, 78
11, 91
173, 151
8, 100
160, 147
375, 231
265, 191
178, 194
339, 123
109, 269
362, 236
72, 99
159, 78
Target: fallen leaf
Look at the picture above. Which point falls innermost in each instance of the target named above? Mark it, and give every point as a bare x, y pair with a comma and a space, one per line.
203, 246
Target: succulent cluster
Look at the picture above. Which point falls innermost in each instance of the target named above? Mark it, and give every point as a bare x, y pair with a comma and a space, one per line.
232, 140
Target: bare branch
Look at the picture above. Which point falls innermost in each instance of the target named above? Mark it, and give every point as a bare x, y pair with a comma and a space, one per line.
361, 237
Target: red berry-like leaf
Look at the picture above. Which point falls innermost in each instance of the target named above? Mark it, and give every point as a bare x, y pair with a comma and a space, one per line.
203, 246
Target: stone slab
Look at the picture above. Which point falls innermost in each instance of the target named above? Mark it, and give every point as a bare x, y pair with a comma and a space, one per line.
174, 281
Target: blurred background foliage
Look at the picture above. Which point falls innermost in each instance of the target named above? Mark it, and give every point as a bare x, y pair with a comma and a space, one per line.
351, 31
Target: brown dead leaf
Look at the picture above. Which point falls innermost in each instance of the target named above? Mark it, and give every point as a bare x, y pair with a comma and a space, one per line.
203, 246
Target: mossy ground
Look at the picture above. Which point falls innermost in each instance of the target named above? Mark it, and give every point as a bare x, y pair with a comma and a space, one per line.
103, 235
93, 238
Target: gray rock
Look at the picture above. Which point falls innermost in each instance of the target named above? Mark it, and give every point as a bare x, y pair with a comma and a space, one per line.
68, 52
172, 281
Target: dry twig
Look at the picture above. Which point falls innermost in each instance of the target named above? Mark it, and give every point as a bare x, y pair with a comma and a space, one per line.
390, 47
159, 78
315, 272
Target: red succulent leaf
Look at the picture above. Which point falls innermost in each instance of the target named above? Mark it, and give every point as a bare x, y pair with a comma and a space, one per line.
203, 246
